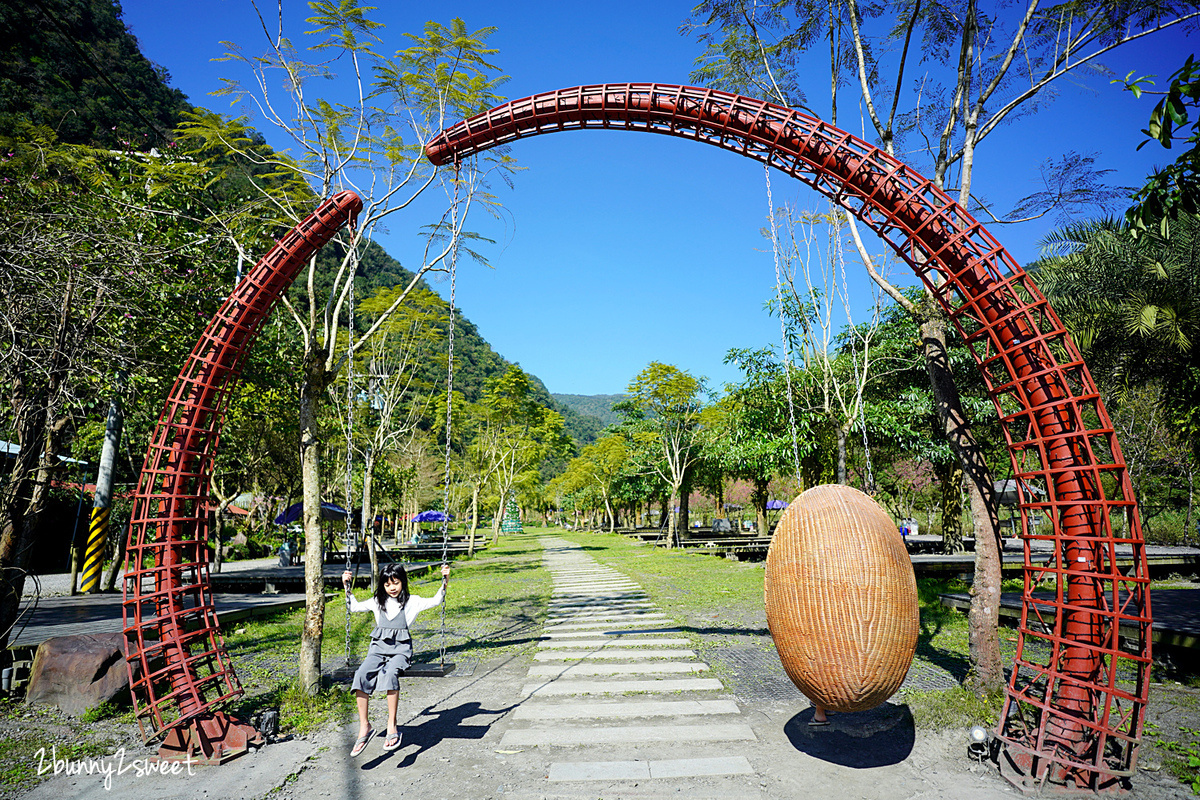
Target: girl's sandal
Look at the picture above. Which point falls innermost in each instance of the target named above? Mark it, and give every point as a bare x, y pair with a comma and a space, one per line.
392, 741
360, 743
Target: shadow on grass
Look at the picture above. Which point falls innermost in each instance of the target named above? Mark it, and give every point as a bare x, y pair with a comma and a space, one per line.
934, 617
860, 740
499, 567
724, 631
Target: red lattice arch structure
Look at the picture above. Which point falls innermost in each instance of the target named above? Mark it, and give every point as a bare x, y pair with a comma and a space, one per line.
179, 672
1077, 693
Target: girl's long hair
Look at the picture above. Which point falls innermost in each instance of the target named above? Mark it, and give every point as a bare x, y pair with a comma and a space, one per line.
391, 572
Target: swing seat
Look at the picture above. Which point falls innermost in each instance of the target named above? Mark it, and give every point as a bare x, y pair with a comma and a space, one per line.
345, 673
841, 599
429, 670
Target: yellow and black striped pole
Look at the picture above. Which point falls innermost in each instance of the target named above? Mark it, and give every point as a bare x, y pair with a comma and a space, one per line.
93, 558
93, 554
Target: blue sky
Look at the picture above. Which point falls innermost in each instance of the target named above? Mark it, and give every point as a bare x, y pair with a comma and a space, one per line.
616, 248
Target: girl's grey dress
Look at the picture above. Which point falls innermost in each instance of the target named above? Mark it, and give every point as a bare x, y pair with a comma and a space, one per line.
391, 652
391, 647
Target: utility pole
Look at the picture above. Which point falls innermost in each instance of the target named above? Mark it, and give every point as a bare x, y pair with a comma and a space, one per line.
98, 532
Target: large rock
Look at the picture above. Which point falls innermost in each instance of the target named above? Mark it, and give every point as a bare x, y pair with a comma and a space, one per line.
80, 672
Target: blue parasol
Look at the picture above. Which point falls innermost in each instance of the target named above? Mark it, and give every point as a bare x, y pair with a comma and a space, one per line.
296, 510
429, 516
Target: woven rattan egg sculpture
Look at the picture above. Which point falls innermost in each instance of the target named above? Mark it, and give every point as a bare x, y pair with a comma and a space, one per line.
841, 599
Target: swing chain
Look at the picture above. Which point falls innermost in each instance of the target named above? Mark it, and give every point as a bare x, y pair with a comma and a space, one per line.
454, 223
783, 343
349, 445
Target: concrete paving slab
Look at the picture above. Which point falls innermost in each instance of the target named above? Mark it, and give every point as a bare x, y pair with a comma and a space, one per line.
580, 634
579, 655
615, 641
622, 709
647, 668
566, 608
601, 771
576, 577
661, 685
600, 615
563, 581
647, 770
556, 617
696, 767
626, 734
600, 608
614, 623
562, 623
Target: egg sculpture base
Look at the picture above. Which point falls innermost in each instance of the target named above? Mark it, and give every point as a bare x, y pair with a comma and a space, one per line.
841, 599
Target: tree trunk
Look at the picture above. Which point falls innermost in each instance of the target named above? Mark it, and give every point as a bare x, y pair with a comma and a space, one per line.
76, 548
474, 519
951, 476
987, 667
841, 457
672, 522
219, 531
367, 520
314, 580
496, 519
16, 496
970, 456
760, 504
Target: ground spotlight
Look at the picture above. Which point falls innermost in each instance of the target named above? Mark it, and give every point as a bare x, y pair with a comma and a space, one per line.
977, 743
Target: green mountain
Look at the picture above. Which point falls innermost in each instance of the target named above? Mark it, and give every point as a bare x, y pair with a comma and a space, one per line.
597, 406
73, 66
583, 428
474, 359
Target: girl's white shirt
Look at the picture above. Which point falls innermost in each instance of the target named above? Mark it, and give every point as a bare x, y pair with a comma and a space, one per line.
416, 604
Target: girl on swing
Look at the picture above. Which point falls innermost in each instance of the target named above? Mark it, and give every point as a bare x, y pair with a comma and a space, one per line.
391, 647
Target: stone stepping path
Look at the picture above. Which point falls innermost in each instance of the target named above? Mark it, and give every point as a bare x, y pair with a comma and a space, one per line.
612, 676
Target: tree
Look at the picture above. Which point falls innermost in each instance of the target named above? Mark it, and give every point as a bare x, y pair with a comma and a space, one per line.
1175, 189
980, 71
73, 67
374, 145
600, 465
838, 363
512, 434
392, 400
1133, 306
665, 403
748, 432
98, 276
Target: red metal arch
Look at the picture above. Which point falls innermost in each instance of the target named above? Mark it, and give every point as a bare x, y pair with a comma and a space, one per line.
178, 668
1077, 693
